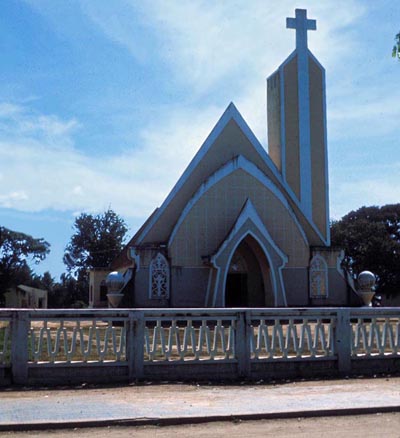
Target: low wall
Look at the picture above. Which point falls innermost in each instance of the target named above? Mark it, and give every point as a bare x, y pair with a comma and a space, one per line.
61, 347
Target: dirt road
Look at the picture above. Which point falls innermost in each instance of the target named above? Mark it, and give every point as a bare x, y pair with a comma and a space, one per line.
385, 425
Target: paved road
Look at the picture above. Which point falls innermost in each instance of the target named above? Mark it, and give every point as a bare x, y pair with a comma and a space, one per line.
182, 403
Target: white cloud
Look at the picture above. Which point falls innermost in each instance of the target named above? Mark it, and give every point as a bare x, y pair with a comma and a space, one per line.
364, 105
47, 172
24, 125
206, 43
9, 199
217, 52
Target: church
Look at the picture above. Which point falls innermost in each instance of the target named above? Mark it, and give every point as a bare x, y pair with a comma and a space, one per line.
244, 227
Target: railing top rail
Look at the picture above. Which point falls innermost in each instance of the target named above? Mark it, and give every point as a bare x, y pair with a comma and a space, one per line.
273, 312
380, 312
66, 313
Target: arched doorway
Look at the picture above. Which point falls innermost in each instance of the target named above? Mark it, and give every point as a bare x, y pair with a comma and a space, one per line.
248, 282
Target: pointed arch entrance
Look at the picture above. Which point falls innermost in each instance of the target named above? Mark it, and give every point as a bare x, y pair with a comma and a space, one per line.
251, 242
248, 281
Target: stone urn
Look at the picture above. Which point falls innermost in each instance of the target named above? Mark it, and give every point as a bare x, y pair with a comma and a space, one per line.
115, 282
366, 287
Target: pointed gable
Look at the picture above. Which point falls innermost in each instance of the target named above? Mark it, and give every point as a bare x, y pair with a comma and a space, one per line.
230, 137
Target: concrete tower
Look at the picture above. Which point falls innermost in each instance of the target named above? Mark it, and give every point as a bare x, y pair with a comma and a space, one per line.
297, 126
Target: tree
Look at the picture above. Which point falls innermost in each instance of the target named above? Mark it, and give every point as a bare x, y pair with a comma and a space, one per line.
68, 293
396, 47
370, 237
97, 240
16, 249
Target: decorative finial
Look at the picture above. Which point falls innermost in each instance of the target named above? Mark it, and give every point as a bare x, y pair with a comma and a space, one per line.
302, 24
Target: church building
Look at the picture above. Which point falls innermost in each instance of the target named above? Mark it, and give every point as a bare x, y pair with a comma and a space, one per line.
244, 227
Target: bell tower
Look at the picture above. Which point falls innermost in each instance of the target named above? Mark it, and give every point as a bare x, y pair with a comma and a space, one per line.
297, 126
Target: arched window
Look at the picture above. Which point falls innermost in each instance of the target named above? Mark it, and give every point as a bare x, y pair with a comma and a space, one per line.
318, 277
159, 278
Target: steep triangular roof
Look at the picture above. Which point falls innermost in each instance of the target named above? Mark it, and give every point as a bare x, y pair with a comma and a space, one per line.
230, 137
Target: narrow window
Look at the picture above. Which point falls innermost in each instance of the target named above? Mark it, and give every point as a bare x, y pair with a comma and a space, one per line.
159, 278
318, 277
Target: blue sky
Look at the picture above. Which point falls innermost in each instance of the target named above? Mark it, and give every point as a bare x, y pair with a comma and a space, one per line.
103, 103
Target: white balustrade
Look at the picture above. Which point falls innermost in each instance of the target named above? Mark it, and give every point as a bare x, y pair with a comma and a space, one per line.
195, 339
274, 338
246, 340
77, 340
376, 336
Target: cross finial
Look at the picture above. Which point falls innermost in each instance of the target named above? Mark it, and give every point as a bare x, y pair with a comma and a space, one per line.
302, 24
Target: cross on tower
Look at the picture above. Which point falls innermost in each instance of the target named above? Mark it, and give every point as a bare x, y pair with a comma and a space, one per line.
302, 24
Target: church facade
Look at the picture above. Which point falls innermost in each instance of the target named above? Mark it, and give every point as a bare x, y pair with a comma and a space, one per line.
243, 227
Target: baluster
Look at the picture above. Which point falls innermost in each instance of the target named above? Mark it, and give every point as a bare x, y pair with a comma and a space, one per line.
265, 336
305, 337
147, 342
397, 337
173, 336
277, 335
200, 340
189, 338
291, 335
230, 347
374, 335
252, 340
387, 336
204, 336
6, 334
330, 343
319, 334
158, 331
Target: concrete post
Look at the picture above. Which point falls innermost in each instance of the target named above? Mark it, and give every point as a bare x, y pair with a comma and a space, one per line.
242, 344
130, 346
138, 345
19, 347
343, 341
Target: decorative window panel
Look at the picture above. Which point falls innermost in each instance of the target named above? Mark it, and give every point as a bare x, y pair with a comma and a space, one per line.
159, 278
318, 277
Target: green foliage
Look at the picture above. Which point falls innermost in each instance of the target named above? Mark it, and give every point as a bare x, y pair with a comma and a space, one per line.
68, 293
396, 47
96, 241
370, 237
16, 250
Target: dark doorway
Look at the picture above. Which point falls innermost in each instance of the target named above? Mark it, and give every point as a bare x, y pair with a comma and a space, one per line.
248, 283
236, 290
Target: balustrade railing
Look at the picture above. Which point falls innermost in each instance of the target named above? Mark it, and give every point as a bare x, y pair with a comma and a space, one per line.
374, 336
77, 339
291, 337
242, 338
189, 338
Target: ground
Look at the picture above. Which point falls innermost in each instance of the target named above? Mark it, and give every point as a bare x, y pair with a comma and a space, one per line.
387, 425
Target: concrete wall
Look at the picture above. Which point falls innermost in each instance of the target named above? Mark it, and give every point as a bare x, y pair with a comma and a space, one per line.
209, 221
189, 286
97, 279
274, 119
296, 286
318, 147
335, 358
291, 102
